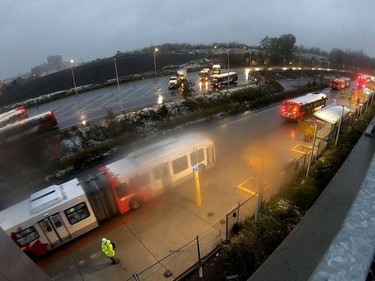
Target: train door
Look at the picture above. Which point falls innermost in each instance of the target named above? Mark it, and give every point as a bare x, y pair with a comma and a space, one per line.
54, 229
210, 155
162, 178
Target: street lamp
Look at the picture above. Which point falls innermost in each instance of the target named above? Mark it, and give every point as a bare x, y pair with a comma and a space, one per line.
228, 65
338, 129
74, 83
118, 85
213, 56
312, 149
156, 49
260, 191
250, 65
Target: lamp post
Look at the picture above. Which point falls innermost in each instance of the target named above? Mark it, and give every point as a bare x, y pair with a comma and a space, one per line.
74, 83
260, 191
156, 49
338, 129
118, 85
213, 56
312, 149
228, 65
250, 65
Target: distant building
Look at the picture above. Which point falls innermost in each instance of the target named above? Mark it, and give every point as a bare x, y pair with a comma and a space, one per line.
41, 70
54, 64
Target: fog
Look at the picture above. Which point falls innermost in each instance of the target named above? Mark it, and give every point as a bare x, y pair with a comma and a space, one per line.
87, 30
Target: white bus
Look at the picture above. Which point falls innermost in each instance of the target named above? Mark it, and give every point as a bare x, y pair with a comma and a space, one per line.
295, 109
223, 79
204, 77
340, 83
216, 69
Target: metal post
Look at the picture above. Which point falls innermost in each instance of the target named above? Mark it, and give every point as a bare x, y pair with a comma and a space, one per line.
200, 270
226, 227
197, 185
75, 86
118, 85
338, 130
213, 56
228, 65
260, 193
312, 150
250, 62
156, 49
238, 212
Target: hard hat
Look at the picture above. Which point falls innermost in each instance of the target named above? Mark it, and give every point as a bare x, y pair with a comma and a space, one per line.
104, 240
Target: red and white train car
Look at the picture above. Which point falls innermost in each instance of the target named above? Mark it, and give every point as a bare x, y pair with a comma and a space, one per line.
12, 116
49, 218
61, 213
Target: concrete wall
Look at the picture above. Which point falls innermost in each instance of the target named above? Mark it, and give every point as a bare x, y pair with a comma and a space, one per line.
15, 265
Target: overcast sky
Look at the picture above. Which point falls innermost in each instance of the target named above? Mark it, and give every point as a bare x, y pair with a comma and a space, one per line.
85, 30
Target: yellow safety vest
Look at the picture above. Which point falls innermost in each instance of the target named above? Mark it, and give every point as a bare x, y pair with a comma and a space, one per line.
107, 248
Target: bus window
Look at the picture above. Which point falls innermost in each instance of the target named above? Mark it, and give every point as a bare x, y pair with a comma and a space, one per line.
180, 164
26, 236
77, 213
193, 156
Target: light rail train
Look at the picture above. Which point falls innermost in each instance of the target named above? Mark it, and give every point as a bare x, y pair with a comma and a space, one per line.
59, 213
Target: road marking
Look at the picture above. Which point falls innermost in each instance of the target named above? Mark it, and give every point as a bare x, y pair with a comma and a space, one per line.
251, 115
242, 187
301, 149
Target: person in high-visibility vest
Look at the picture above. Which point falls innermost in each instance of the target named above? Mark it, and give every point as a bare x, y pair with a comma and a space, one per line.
108, 250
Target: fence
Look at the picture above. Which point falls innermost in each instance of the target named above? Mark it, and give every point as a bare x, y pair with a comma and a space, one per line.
193, 254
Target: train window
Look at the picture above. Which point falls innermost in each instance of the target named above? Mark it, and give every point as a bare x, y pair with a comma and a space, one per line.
198, 153
140, 181
56, 220
77, 213
180, 164
156, 173
122, 190
26, 236
45, 226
